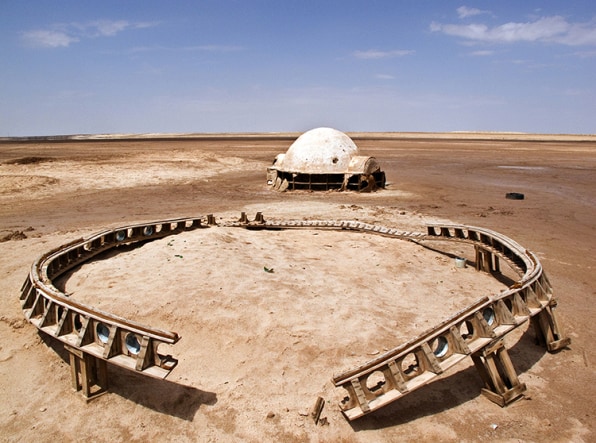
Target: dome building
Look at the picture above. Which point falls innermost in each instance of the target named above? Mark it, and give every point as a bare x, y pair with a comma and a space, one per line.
324, 159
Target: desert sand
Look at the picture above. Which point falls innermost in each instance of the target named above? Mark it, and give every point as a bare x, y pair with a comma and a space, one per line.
258, 347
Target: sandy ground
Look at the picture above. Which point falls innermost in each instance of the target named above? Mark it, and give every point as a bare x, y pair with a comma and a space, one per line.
257, 348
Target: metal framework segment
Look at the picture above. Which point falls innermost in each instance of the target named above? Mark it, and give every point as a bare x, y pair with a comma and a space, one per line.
85, 329
475, 331
94, 337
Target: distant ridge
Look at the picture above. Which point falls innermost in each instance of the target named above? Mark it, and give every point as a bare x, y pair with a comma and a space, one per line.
464, 135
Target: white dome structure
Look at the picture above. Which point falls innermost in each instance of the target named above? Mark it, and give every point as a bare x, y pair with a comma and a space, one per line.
324, 159
321, 150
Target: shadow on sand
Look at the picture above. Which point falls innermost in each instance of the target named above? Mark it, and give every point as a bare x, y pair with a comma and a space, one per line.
160, 395
500, 277
448, 392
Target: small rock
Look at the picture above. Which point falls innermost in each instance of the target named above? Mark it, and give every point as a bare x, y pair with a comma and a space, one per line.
17, 324
270, 414
14, 235
44, 409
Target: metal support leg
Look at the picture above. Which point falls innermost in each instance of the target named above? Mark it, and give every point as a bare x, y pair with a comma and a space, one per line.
548, 332
501, 384
88, 373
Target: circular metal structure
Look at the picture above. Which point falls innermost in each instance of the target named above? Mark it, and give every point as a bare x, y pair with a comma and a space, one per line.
475, 331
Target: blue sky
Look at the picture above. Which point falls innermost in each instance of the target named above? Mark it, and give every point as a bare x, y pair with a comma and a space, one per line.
91, 67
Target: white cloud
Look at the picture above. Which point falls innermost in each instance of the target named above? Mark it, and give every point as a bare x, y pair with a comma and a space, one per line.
585, 54
109, 27
385, 77
581, 34
372, 54
48, 39
464, 11
553, 29
64, 35
482, 53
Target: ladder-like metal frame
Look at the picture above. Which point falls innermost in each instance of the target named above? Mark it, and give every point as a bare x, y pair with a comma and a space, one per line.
94, 337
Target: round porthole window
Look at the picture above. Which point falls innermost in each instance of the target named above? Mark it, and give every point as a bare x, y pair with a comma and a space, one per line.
489, 315
132, 344
76, 322
103, 332
120, 235
440, 346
